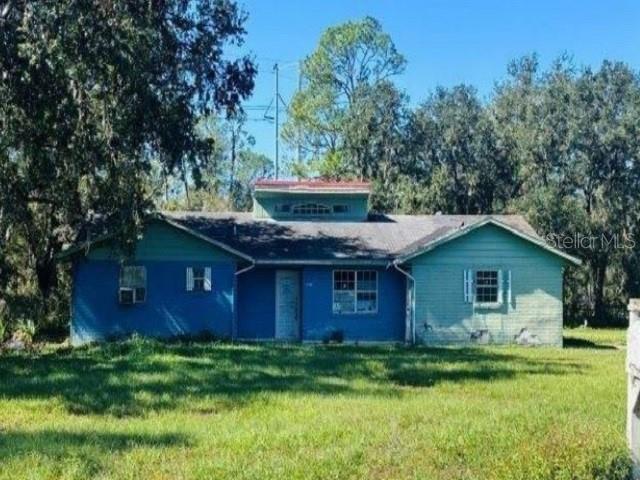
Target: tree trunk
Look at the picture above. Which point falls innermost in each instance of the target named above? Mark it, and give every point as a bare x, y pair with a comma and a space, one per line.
185, 181
46, 275
598, 272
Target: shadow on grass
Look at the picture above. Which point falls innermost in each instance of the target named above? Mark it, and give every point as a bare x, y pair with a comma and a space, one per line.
572, 342
135, 377
88, 446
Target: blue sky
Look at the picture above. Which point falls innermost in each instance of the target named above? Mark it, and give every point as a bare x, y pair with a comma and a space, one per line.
444, 42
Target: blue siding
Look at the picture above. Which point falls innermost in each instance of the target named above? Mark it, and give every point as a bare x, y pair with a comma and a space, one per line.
318, 319
169, 309
257, 304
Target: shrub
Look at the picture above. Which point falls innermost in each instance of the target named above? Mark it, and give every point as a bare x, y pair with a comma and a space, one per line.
3, 330
334, 336
25, 330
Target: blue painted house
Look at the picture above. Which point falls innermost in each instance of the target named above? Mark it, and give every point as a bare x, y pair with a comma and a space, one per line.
310, 263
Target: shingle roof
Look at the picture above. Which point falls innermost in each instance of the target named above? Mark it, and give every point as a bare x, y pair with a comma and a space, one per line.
382, 238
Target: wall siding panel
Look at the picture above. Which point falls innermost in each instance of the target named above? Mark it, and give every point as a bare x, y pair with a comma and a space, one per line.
264, 205
256, 304
442, 316
164, 242
169, 310
388, 324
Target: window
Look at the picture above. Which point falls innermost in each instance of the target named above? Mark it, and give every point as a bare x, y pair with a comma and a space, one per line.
344, 291
487, 286
341, 209
311, 209
198, 279
355, 291
283, 208
133, 284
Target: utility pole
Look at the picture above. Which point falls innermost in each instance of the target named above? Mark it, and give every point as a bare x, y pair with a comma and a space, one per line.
277, 120
232, 185
299, 153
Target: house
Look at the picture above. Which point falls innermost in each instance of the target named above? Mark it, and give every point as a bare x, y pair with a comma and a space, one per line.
311, 263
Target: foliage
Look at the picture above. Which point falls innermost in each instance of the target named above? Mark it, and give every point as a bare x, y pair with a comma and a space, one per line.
560, 146
111, 109
576, 148
335, 111
456, 153
26, 330
251, 167
316, 411
225, 183
92, 94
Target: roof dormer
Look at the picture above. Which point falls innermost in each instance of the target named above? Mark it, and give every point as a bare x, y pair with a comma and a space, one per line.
311, 200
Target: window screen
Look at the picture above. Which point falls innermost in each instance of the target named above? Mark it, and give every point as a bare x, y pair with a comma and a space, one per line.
486, 286
133, 284
355, 291
311, 209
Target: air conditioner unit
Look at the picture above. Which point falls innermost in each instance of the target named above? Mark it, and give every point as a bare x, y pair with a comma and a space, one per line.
127, 296
140, 294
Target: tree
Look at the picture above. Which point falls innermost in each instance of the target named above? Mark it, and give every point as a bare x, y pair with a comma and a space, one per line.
575, 143
225, 182
351, 61
607, 153
251, 167
533, 114
92, 93
456, 155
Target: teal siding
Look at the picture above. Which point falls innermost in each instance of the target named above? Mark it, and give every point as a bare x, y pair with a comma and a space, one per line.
161, 241
441, 314
264, 205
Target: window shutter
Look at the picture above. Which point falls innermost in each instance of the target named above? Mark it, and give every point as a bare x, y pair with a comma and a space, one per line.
500, 287
207, 279
189, 279
468, 286
509, 287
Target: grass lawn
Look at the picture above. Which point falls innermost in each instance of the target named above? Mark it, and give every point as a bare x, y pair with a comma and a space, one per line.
142, 409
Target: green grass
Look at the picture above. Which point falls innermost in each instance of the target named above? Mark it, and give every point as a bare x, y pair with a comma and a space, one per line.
595, 337
142, 409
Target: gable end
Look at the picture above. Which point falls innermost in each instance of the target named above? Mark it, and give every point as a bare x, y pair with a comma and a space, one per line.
424, 247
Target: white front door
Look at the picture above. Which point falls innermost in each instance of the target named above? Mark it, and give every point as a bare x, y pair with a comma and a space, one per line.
287, 305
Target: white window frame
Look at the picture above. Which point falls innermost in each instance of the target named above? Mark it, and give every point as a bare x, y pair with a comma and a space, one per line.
133, 287
356, 291
473, 285
311, 209
198, 283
